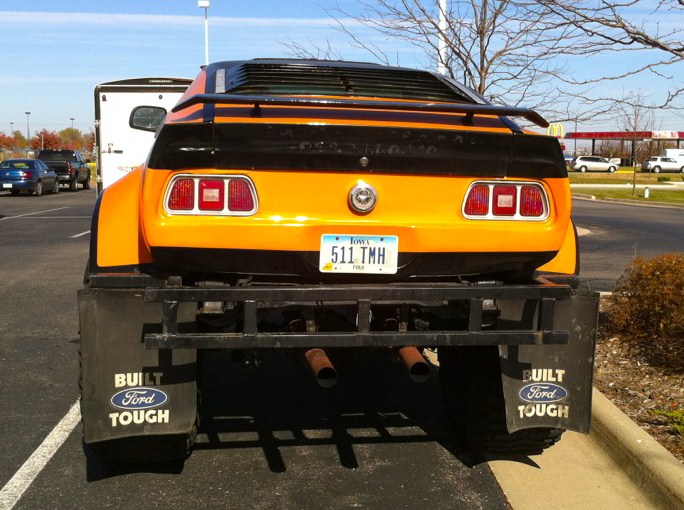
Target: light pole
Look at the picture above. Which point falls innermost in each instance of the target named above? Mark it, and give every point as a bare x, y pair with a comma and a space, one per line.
11, 128
28, 131
441, 58
205, 4
72, 122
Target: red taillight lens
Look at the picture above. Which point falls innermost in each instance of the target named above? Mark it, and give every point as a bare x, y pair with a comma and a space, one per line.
505, 201
182, 196
211, 195
477, 203
240, 196
531, 202
25, 175
69, 169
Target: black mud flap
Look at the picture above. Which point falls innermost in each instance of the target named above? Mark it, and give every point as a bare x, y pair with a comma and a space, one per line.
127, 390
550, 386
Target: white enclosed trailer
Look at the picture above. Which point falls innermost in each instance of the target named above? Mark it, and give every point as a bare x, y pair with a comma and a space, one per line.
127, 113
676, 154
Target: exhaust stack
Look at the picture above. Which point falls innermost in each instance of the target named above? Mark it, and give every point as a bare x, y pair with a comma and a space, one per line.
321, 367
415, 364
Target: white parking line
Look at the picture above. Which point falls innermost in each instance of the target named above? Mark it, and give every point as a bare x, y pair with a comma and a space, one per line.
79, 235
54, 217
32, 213
22, 479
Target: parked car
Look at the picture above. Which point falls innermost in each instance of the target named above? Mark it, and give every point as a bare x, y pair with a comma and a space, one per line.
658, 164
69, 165
593, 164
27, 175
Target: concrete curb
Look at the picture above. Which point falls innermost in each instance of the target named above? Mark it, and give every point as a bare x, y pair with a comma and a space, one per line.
661, 205
649, 465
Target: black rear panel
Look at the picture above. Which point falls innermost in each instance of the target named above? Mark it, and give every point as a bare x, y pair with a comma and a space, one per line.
356, 149
302, 266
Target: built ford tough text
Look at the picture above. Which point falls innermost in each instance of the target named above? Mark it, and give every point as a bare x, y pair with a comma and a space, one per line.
320, 208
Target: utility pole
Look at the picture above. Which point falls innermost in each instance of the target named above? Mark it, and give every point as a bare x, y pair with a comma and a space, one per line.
28, 131
205, 4
442, 56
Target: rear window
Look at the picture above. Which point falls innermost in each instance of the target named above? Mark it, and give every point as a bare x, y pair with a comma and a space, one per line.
15, 164
57, 156
300, 78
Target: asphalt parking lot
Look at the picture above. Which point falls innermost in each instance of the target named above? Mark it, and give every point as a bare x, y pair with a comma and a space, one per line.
270, 438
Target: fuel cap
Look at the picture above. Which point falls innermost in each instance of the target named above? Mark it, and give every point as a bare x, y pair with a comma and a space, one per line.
363, 197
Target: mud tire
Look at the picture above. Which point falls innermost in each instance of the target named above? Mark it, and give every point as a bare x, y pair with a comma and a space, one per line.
470, 379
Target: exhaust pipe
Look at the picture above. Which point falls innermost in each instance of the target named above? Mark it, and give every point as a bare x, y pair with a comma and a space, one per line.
415, 364
321, 367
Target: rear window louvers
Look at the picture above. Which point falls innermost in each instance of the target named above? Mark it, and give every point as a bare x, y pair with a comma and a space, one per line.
305, 79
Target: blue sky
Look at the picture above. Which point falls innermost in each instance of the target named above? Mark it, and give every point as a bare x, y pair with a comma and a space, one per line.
55, 51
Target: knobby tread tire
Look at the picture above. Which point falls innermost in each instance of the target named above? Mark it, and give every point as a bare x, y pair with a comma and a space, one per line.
470, 380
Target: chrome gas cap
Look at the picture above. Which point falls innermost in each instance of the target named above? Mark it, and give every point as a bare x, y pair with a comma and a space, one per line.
363, 197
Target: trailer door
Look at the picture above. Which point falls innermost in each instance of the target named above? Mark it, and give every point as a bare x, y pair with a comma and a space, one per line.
126, 115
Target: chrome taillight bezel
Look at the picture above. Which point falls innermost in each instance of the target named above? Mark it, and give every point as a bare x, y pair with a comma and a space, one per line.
515, 217
196, 211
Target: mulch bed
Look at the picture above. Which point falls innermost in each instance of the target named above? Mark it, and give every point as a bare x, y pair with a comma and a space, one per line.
638, 388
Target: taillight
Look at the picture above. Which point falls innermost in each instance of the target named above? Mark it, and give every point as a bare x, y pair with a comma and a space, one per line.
211, 195
506, 200
477, 202
182, 196
25, 175
240, 196
69, 169
531, 202
216, 195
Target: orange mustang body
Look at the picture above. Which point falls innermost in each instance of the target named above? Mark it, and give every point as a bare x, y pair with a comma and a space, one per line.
318, 207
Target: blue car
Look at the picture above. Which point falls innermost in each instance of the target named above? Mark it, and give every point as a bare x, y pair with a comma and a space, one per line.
27, 175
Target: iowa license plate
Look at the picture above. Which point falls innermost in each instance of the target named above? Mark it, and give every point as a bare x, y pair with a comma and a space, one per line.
343, 253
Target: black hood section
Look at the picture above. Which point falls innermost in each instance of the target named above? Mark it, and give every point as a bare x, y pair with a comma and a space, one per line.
357, 149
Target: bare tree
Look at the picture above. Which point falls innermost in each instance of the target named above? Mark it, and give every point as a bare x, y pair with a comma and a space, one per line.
654, 28
504, 49
515, 50
636, 116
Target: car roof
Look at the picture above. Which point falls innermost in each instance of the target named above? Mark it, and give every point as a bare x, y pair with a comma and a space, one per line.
333, 85
18, 160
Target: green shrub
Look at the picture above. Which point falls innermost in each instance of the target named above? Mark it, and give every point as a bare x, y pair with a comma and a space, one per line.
675, 418
663, 179
647, 308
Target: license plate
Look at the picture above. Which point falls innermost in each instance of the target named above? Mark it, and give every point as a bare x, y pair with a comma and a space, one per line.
343, 253
6, 185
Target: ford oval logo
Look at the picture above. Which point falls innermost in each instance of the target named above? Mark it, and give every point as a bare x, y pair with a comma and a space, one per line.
139, 398
542, 393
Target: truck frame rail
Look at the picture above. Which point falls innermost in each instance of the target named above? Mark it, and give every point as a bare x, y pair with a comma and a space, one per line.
249, 300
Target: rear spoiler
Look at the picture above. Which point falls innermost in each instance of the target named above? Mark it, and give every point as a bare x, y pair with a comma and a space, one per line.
469, 110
